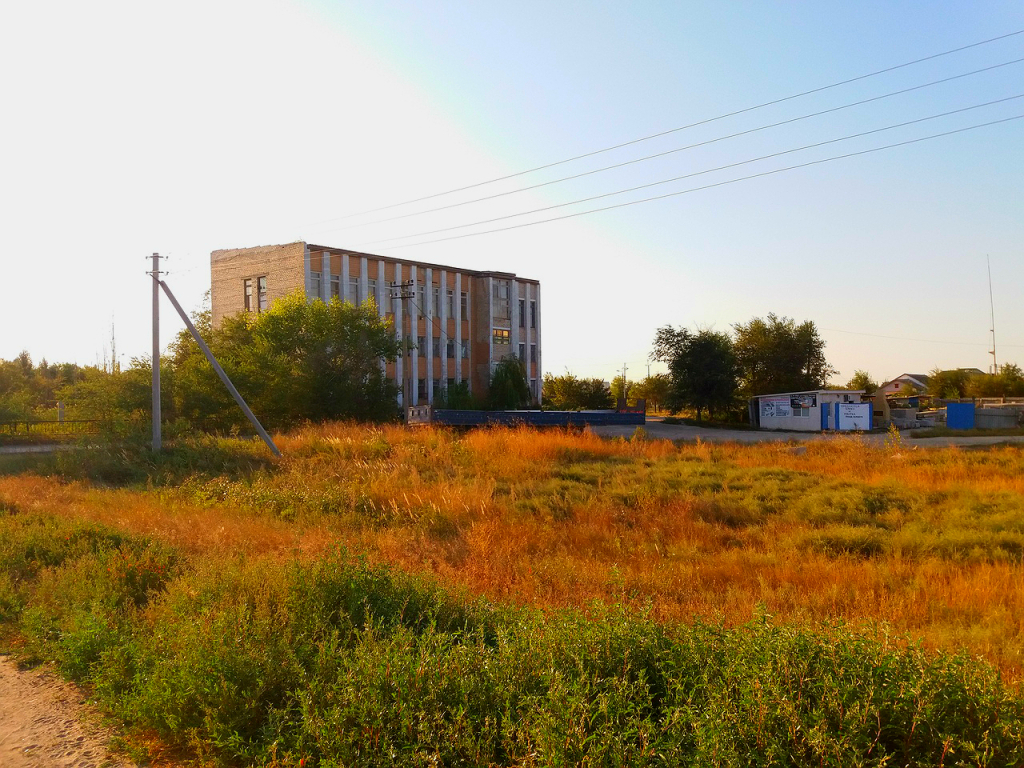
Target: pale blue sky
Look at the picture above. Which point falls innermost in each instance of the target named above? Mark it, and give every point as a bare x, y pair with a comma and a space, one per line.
224, 124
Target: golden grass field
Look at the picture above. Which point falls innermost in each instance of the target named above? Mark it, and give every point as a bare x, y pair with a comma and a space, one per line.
926, 542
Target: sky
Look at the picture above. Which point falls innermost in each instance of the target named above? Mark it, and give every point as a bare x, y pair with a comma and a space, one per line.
130, 128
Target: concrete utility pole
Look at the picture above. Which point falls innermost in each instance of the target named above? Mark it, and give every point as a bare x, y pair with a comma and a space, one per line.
156, 353
403, 291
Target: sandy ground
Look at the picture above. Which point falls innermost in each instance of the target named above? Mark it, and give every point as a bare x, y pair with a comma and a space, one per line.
45, 723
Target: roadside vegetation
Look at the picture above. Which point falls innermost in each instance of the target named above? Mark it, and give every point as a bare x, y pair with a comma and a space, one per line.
384, 596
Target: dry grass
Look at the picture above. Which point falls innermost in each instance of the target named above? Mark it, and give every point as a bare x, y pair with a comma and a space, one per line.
927, 541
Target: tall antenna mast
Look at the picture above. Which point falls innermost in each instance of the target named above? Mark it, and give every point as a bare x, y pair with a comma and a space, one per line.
992, 308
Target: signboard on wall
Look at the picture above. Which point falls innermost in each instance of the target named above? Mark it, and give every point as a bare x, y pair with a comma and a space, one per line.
803, 401
776, 408
853, 416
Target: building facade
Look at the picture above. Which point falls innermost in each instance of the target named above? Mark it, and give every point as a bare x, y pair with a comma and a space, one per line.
460, 322
811, 411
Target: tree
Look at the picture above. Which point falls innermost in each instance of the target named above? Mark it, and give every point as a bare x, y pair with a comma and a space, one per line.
1009, 382
777, 355
622, 389
949, 385
862, 380
509, 388
569, 393
702, 369
655, 390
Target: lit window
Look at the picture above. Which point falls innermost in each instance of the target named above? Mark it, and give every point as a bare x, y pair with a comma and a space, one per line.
501, 336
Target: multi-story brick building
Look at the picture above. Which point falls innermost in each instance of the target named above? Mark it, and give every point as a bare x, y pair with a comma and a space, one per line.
461, 321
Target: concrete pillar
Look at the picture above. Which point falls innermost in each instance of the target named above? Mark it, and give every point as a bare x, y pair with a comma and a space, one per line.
325, 277
307, 277
513, 311
414, 324
428, 299
364, 277
443, 373
458, 326
343, 286
540, 369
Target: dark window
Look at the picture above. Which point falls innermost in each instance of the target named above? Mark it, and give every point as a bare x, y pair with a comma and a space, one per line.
465, 305
261, 289
522, 313
533, 314
437, 346
421, 345
465, 349
421, 389
533, 353
450, 351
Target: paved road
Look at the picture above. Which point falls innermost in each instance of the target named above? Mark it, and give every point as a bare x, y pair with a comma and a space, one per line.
660, 430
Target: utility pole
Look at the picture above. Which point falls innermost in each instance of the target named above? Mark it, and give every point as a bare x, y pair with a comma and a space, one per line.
625, 392
403, 291
992, 309
156, 353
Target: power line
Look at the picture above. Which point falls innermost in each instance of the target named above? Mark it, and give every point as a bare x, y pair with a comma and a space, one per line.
681, 128
677, 149
923, 341
711, 186
695, 173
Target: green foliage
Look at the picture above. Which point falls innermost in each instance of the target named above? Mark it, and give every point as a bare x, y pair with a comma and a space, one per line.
569, 393
862, 380
950, 384
457, 397
1009, 382
702, 369
509, 388
777, 355
30, 391
334, 662
655, 390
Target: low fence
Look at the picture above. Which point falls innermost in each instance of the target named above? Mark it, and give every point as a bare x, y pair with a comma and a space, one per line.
65, 428
424, 414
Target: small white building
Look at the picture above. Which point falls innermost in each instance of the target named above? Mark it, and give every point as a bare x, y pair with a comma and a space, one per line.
812, 411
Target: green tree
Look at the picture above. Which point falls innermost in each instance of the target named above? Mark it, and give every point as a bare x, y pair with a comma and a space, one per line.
655, 390
949, 385
509, 388
777, 355
569, 393
702, 370
862, 380
622, 389
1009, 382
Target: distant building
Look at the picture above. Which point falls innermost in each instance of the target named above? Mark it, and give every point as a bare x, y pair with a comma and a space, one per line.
905, 383
462, 323
810, 411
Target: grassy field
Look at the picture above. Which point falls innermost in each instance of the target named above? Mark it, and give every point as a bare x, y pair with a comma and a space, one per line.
532, 597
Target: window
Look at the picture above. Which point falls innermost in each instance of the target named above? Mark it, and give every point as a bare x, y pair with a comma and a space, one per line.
421, 345
465, 305
247, 291
371, 287
501, 300
420, 303
421, 389
437, 347
261, 290
437, 387
802, 413
437, 301
450, 349
465, 349
533, 313
522, 313
336, 285
501, 336
533, 353
314, 283
522, 352
451, 384
353, 290
451, 303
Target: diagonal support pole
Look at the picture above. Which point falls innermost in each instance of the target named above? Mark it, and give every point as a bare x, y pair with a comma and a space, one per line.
220, 371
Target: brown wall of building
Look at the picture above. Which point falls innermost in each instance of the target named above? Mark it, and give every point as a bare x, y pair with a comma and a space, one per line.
282, 265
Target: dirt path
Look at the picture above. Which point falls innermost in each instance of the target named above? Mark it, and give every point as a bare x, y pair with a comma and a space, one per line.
41, 723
